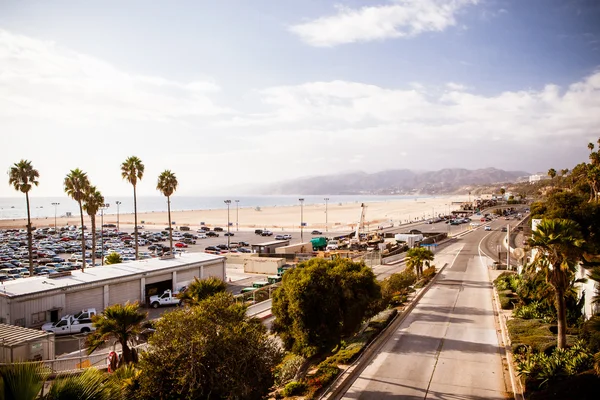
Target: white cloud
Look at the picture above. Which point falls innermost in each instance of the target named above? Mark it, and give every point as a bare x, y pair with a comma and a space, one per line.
456, 86
41, 79
402, 18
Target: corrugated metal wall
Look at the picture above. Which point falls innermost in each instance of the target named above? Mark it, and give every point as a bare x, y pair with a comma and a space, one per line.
88, 298
214, 270
185, 277
159, 278
25, 309
124, 292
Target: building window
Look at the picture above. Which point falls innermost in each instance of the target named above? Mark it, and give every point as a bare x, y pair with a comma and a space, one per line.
20, 322
2, 320
39, 317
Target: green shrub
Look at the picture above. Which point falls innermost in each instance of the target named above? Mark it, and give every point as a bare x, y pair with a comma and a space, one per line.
503, 281
428, 273
534, 310
537, 369
347, 355
507, 300
295, 389
287, 369
533, 335
325, 374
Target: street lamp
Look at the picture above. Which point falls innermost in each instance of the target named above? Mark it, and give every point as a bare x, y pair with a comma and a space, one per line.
326, 216
237, 215
228, 202
102, 208
118, 203
301, 220
55, 204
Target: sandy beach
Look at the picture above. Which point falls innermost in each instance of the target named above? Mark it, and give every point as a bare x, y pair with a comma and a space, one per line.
339, 216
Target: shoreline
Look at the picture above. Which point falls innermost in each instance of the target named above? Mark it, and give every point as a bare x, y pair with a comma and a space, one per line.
340, 216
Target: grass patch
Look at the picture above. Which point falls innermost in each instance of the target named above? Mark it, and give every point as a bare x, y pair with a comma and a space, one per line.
533, 333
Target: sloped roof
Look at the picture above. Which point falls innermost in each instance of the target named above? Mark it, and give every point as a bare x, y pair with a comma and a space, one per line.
12, 335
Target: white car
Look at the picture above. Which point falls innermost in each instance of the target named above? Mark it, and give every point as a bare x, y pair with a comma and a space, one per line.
201, 236
488, 228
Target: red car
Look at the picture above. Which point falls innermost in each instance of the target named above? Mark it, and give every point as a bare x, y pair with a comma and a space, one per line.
181, 245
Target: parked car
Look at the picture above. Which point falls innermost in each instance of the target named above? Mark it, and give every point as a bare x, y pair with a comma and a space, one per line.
222, 247
202, 236
243, 250
488, 228
211, 248
243, 244
279, 237
258, 231
180, 245
229, 234
316, 232
266, 233
218, 229
165, 299
287, 237
212, 234
188, 241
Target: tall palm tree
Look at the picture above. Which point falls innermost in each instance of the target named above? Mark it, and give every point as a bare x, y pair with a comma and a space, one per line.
552, 174
167, 185
559, 243
76, 186
417, 256
120, 321
92, 202
201, 289
22, 176
132, 170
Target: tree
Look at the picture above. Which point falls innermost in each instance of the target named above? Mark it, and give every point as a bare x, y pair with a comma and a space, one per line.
92, 384
76, 186
93, 200
22, 176
552, 173
122, 322
132, 170
416, 257
200, 290
558, 243
209, 351
113, 258
22, 381
167, 185
322, 301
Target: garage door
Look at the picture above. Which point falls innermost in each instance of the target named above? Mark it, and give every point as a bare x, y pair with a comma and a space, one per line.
159, 278
185, 277
124, 292
87, 298
215, 270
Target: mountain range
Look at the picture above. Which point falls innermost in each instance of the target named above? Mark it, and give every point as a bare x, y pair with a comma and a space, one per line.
399, 181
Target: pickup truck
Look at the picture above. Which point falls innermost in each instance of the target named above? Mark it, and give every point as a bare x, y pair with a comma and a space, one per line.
70, 325
166, 299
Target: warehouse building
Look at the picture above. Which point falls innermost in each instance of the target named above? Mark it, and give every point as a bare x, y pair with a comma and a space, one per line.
22, 344
31, 302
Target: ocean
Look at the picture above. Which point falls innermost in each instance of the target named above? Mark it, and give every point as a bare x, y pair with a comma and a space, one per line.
41, 207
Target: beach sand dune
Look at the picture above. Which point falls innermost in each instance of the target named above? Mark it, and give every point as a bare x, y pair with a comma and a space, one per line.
339, 216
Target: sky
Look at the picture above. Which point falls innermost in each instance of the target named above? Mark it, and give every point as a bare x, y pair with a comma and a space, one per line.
234, 94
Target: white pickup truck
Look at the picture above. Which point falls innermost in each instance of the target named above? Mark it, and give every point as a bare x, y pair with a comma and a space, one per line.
70, 325
165, 299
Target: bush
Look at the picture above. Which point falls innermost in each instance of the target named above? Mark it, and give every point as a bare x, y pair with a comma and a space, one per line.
325, 374
535, 310
294, 389
506, 281
428, 273
287, 369
397, 285
539, 368
507, 299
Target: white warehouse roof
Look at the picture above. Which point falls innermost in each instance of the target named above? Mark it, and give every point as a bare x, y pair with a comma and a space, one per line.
39, 284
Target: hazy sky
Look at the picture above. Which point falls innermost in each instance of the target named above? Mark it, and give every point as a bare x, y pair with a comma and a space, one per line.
231, 93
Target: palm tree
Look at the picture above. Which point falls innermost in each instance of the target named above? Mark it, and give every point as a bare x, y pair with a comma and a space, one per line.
132, 170
558, 243
200, 290
92, 202
22, 381
167, 185
417, 256
552, 173
122, 322
76, 186
23, 176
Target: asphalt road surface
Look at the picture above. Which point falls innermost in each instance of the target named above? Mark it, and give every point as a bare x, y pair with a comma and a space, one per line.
448, 347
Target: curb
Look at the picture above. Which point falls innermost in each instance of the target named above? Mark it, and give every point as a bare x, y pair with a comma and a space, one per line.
350, 374
517, 386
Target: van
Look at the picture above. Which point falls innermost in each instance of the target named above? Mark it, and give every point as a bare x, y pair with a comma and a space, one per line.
184, 228
258, 231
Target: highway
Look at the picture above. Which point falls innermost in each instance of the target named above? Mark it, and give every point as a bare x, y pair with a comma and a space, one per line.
448, 346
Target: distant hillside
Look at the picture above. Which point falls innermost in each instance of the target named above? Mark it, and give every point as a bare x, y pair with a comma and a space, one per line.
402, 181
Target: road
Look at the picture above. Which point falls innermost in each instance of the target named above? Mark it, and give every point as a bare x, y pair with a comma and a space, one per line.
448, 347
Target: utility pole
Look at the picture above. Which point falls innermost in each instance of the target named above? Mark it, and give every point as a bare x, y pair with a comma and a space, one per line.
55, 204
301, 220
104, 206
118, 204
228, 202
237, 215
508, 247
326, 215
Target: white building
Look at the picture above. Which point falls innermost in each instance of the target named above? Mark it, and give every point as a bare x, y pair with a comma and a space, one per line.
30, 302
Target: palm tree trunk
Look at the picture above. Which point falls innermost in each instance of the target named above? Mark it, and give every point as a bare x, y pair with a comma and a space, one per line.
170, 227
29, 238
126, 358
561, 311
93, 219
82, 238
135, 230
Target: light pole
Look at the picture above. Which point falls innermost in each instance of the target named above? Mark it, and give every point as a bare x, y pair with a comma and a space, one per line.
237, 215
326, 216
118, 203
55, 204
301, 220
104, 206
228, 202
